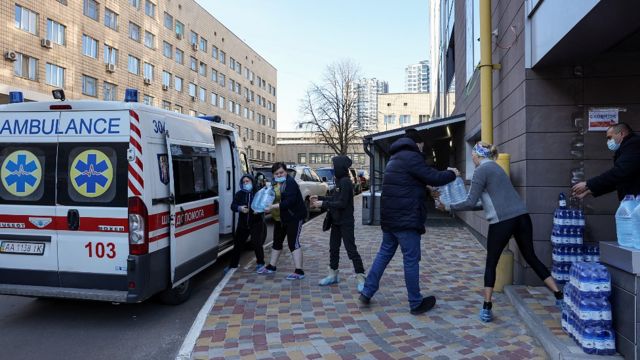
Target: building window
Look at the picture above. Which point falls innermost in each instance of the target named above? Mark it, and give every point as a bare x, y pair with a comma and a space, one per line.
214, 52
177, 109
91, 9
193, 64
89, 85
177, 83
134, 32
150, 8
230, 106
168, 21
110, 55
89, 46
109, 91
148, 100
26, 20
192, 89
149, 40
221, 102
55, 75
424, 118
167, 50
148, 71
179, 56
222, 57
110, 19
166, 105
472, 33
203, 44
221, 80
202, 94
404, 119
135, 3
214, 99
179, 29
166, 78
389, 119
194, 38
134, 65
214, 75
56, 32
203, 69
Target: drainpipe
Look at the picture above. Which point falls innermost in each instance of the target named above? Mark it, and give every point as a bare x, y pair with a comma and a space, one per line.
368, 145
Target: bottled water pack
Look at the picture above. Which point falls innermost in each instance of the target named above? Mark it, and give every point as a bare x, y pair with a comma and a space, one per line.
567, 237
453, 192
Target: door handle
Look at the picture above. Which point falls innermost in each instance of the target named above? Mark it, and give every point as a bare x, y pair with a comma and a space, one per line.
228, 180
73, 219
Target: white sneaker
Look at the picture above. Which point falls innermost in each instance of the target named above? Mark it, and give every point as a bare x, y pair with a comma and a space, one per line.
360, 279
332, 278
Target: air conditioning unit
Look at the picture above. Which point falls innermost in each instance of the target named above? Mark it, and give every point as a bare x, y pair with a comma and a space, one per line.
165, 87
194, 99
110, 68
178, 36
45, 43
194, 46
11, 55
147, 81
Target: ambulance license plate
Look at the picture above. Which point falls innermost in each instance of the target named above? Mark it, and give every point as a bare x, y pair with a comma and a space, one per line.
8, 247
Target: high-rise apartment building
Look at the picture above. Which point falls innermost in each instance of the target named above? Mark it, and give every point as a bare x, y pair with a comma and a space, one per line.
442, 82
367, 91
417, 77
176, 54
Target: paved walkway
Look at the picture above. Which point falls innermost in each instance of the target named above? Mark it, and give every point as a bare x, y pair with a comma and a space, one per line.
268, 317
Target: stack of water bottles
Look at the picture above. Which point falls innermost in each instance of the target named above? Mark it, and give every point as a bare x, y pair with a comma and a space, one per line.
586, 316
452, 193
263, 199
566, 239
628, 222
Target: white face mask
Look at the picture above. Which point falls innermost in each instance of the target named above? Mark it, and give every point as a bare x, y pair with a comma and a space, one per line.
612, 145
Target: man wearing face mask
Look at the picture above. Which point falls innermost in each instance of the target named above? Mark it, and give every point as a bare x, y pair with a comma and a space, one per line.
625, 174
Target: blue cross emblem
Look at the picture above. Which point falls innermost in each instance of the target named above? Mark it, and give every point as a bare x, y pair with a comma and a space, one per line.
91, 173
21, 173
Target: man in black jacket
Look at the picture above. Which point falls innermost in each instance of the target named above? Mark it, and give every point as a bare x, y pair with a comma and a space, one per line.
402, 215
340, 207
625, 174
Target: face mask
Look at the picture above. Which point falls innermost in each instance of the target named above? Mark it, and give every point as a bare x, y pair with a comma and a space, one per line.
612, 145
280, 179
247, 187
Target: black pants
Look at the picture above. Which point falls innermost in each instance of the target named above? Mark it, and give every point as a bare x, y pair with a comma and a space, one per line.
499, 234
257, 231
290, 230
344, 233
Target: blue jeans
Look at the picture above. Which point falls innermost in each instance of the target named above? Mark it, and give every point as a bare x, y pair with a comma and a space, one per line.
409, 242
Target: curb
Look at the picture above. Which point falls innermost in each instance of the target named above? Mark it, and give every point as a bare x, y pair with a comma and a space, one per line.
554, 347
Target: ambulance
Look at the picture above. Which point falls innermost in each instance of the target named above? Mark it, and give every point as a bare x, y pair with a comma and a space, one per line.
112, 201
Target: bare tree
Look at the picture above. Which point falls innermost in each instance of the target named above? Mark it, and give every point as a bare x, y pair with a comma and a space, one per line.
330, 108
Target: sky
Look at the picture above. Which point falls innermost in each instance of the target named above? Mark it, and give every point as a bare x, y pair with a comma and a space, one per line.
301, 37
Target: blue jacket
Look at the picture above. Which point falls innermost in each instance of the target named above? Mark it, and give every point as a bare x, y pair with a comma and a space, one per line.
292, 207
404, 190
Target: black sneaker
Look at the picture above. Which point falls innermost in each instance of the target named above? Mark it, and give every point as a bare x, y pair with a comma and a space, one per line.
364, 300
427, 304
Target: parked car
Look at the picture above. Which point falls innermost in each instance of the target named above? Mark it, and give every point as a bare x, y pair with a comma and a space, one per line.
357, 189
327, 175
363, 176
310, 183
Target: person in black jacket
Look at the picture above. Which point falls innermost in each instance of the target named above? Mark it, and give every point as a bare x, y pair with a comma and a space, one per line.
290, 208
340, 207
402, 216
625, 174
250, 223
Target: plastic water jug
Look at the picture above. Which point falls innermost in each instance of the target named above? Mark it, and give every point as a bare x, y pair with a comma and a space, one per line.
624, 226
635, 225
263, 199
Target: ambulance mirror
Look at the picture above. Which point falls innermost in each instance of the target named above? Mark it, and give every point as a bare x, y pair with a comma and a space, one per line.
58, 94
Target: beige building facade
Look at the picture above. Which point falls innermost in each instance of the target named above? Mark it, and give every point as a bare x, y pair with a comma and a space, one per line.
175, 53
306, 148
398, 110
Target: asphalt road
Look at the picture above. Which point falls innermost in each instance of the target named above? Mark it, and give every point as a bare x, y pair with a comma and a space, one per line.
68, 329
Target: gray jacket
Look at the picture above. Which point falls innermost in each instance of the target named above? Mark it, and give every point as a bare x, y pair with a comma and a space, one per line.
500, 200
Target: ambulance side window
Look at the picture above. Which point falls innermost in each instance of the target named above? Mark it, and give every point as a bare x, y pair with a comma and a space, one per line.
195, 173
93, 174
244, 163
27, 173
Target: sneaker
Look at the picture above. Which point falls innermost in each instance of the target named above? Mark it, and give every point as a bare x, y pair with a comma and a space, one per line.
330, 279
486, 315
360, 279
295, 276
427, 304
264, 271
364, 300
259, 266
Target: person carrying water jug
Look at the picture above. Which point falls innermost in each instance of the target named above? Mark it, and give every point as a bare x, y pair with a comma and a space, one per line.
624, 177
507, 217
250, 223
340, 207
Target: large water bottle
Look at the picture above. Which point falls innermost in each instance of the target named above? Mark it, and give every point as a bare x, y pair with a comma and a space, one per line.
635, 224
624, 227
268, 197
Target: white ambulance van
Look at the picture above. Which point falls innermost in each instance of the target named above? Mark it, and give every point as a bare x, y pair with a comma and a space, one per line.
112, 201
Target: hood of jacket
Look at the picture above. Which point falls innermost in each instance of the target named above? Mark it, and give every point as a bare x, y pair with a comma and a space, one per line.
341, 165
404, 144
250, 177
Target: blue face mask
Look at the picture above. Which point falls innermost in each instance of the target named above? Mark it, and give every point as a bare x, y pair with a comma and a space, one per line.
612, 145
247, 187
280, 179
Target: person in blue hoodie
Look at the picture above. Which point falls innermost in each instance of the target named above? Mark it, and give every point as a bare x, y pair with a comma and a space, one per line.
250, 223
402, 216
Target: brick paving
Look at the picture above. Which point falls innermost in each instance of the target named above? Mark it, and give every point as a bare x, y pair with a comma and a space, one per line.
268, 317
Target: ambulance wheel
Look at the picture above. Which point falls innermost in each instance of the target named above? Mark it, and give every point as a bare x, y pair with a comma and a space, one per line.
176, 295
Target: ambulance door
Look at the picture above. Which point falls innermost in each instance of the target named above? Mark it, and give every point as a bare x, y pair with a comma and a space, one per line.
28, 236
194, 228
229, 181
92, 191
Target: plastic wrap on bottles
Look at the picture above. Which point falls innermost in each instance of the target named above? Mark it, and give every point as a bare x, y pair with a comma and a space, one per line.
263, 199
452, 193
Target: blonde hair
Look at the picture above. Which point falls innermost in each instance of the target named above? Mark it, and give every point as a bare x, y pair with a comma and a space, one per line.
493, 150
